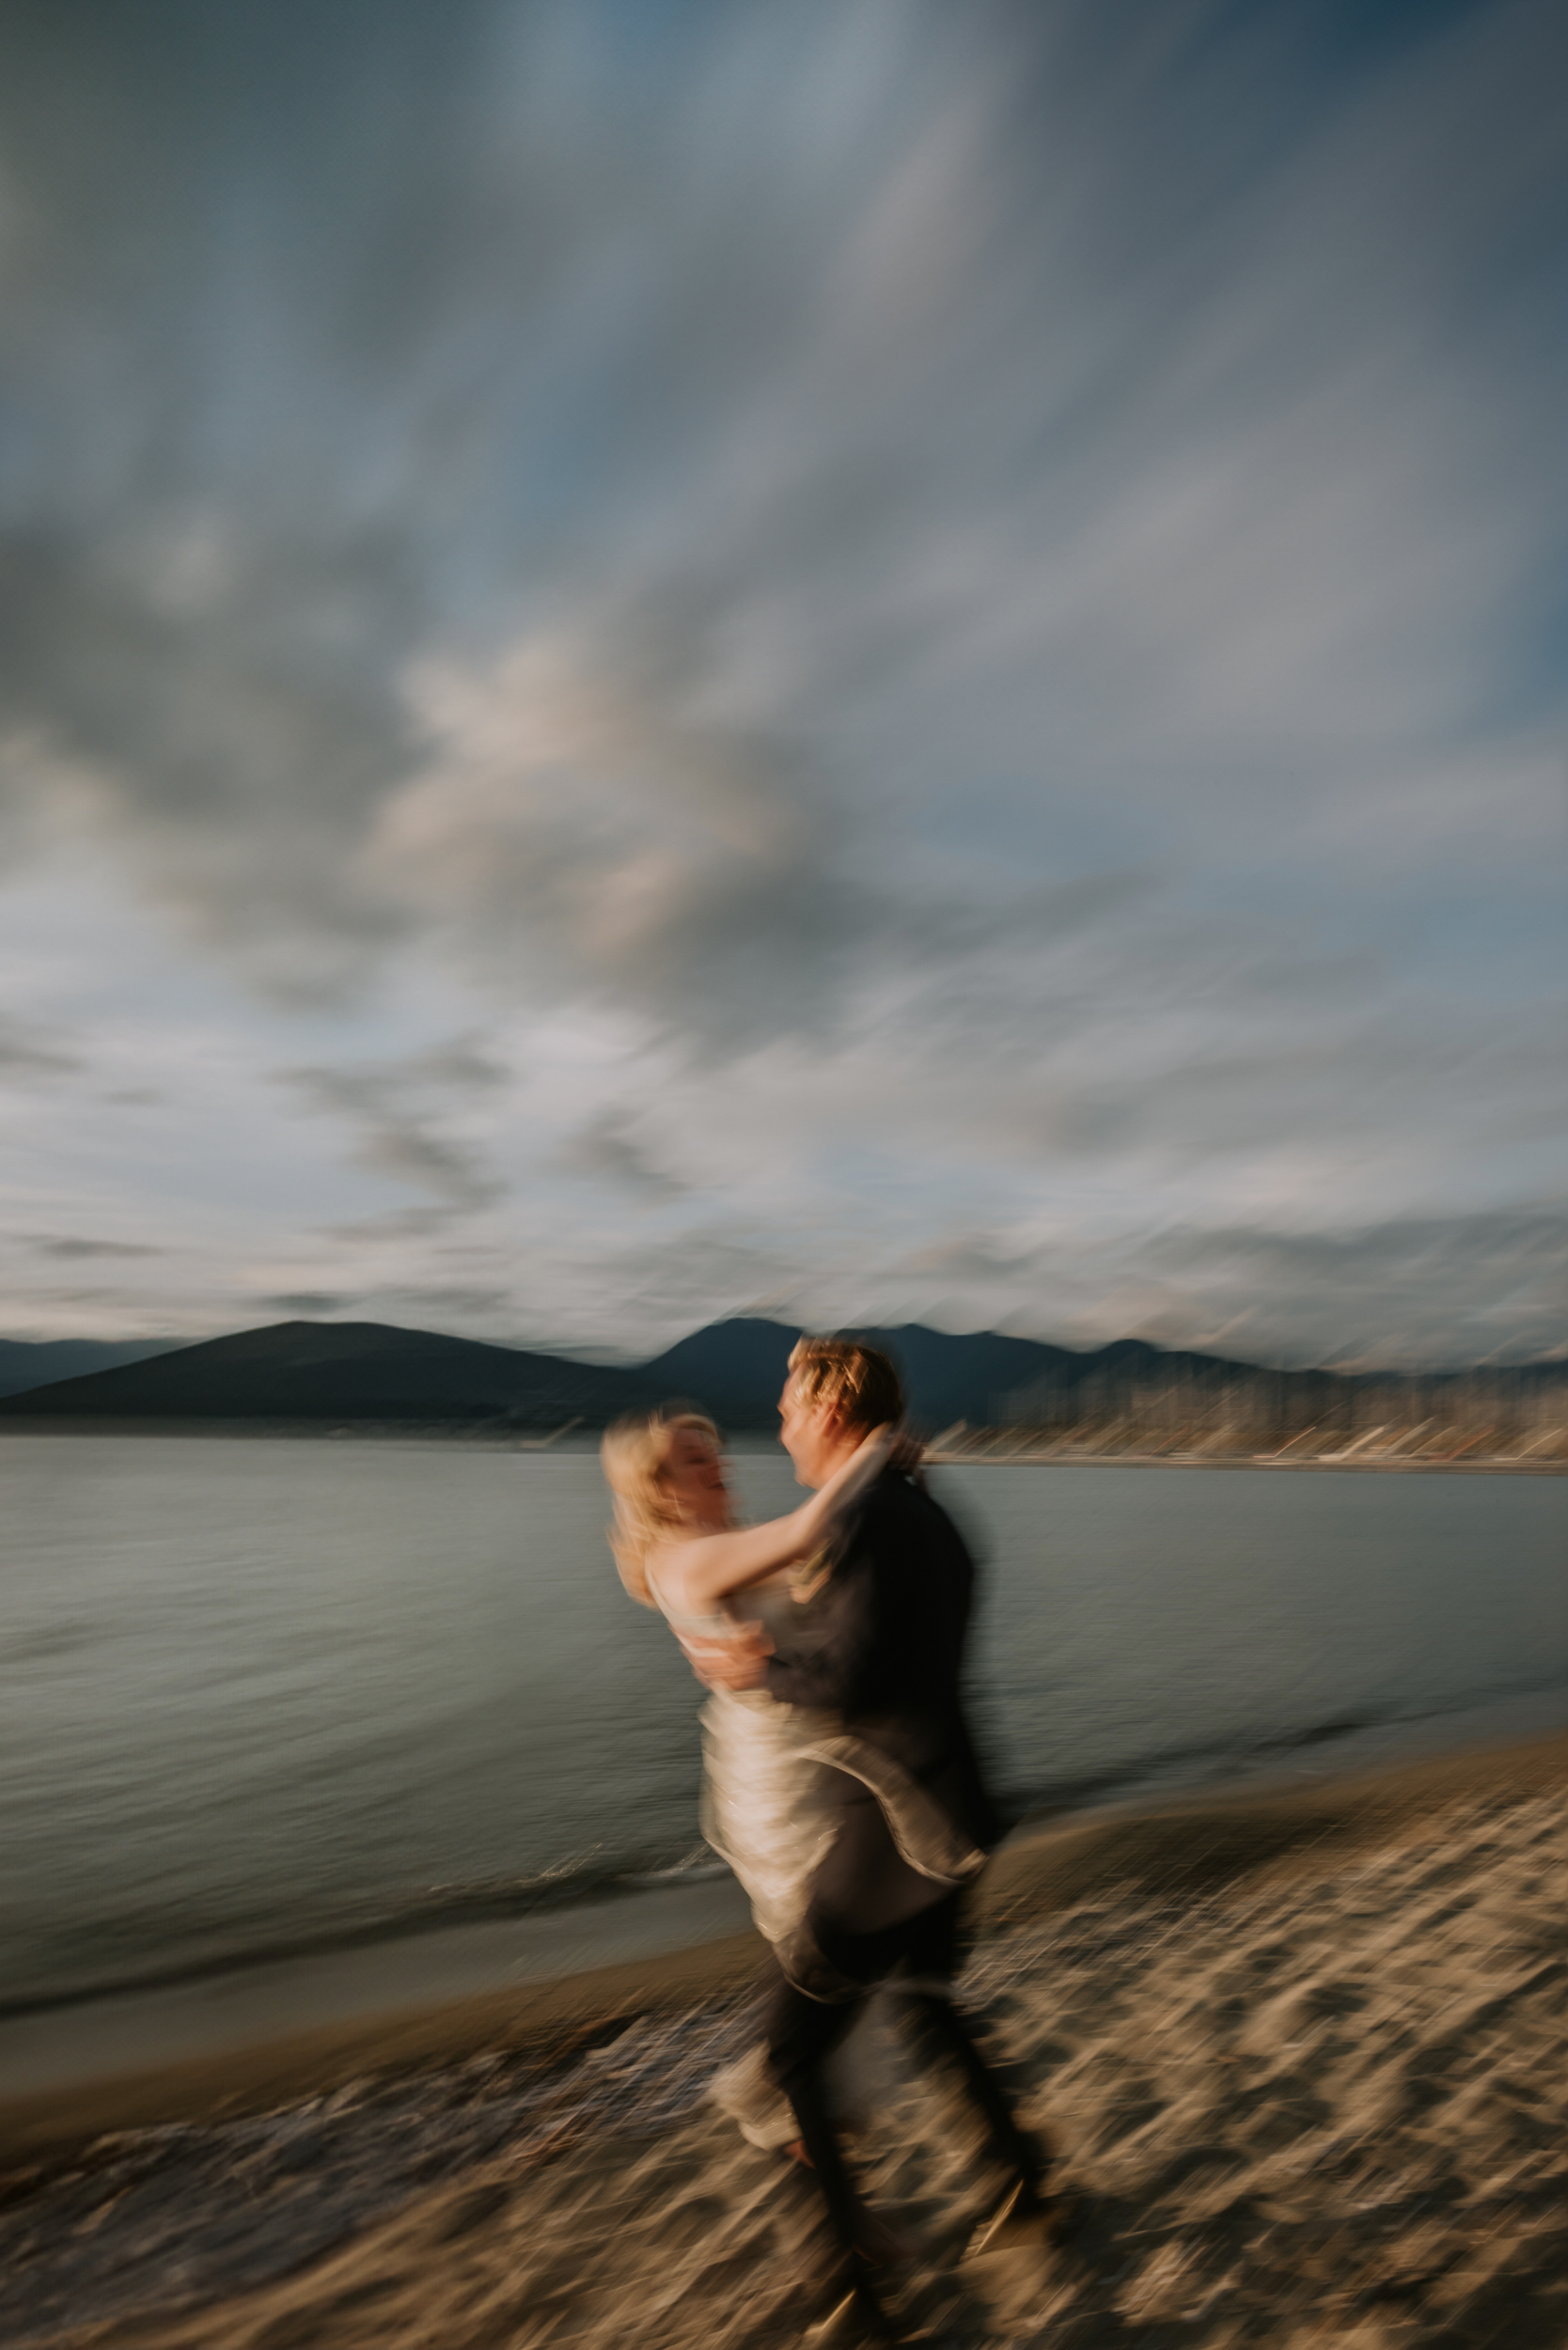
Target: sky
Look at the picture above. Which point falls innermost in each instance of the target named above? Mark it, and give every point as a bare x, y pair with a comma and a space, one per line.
867, 661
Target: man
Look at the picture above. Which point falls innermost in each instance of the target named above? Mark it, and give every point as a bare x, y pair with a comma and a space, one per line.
881, 1644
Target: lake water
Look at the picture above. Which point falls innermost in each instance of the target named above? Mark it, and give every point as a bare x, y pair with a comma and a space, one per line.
262, 1695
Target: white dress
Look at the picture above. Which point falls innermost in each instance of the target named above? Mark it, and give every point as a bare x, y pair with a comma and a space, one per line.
767, 1809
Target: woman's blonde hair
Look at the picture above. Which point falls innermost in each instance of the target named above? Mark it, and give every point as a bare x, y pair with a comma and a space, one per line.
634, 1455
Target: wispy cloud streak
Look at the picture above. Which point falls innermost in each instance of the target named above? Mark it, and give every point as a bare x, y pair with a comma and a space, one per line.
920, 623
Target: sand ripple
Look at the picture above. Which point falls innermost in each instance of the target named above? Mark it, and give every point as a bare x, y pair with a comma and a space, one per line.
1325, 2109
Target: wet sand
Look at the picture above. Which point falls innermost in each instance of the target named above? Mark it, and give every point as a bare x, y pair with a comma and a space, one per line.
1302, 2056
249, 2014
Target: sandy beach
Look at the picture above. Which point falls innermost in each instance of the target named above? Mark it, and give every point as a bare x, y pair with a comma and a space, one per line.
1301, 2054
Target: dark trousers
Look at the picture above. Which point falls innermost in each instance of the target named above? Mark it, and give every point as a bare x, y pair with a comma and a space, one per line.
802, 2032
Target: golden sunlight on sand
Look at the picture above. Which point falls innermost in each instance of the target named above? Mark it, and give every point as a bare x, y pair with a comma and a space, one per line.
1303, 2061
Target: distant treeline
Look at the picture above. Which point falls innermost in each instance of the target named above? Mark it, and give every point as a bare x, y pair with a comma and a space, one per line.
1517, 1410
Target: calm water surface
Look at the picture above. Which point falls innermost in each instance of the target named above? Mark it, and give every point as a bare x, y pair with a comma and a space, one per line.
258, 1694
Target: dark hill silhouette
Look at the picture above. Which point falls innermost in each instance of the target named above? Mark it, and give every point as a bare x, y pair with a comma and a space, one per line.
37, 1362
342, 1370
964, 1377
368, 1370
733, 1368
736, 1368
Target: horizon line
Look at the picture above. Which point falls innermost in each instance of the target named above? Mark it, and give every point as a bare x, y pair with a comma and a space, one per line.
596, 1357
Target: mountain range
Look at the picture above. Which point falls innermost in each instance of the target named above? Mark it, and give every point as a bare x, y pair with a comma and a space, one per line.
35, 1362
339, 1370
349, 1372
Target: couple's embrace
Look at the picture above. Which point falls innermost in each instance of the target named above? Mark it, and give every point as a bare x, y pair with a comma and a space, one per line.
840, 1782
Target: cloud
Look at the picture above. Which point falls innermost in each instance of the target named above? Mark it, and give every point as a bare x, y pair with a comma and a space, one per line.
224, 753
1477, 1285
396, 1226
30, 1056
70, 1247
876, 502
1408, 1291
436, 1297
589, 836
401, 1131
608, 1149
929, 632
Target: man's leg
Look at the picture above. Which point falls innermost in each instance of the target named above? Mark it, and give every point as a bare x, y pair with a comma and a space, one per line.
801, 2034
945, 2030
931, 1954
861, 1903
870, 1913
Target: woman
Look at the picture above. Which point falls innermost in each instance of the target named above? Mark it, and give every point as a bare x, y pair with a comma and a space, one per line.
765, 1806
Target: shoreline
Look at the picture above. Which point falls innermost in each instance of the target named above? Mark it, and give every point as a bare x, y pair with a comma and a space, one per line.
1300, 2054
1185, 1846
568, 1444
246, 1996
1498, 1464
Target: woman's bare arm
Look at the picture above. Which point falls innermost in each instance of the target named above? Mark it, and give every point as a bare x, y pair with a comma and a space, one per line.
698, 1573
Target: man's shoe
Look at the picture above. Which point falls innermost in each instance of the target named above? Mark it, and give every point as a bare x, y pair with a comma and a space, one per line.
862, 2315
985, 2231
1025, 2200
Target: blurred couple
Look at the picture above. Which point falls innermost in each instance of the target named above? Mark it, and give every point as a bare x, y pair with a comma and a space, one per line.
841, 1781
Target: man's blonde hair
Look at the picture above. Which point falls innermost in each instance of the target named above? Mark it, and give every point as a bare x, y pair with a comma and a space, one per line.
861, 1381
634, 1455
